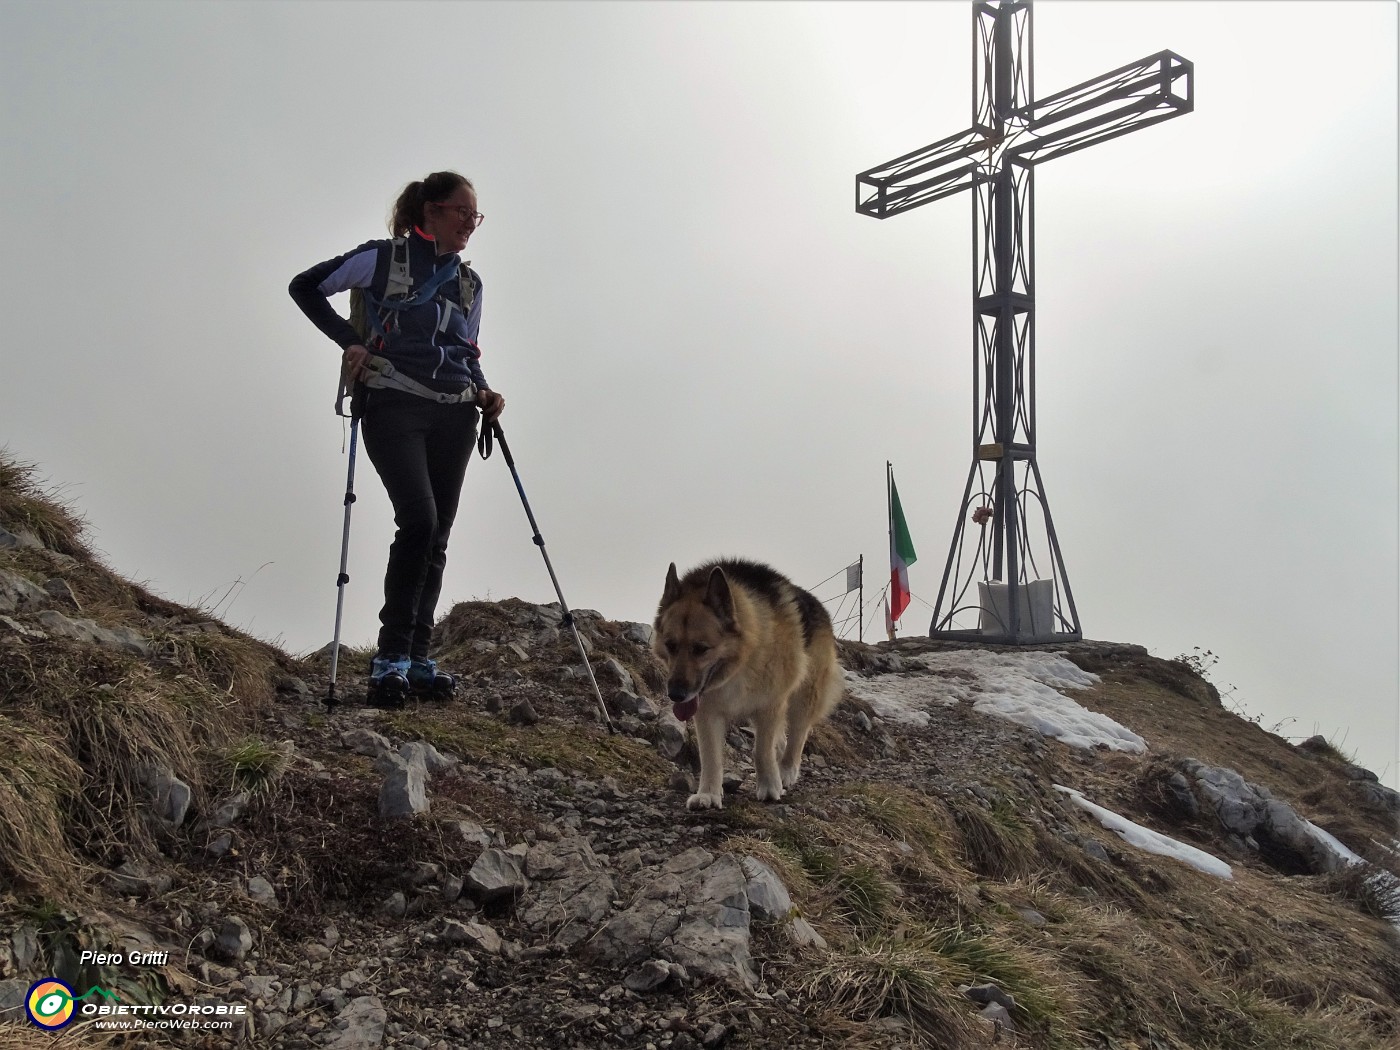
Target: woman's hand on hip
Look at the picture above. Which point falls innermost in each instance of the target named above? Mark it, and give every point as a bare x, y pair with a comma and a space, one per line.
491, 404
355, 363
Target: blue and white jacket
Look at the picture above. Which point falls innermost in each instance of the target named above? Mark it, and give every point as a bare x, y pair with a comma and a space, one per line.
443, 357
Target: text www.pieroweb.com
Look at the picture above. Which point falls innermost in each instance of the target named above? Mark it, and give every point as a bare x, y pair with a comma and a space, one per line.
129, 1017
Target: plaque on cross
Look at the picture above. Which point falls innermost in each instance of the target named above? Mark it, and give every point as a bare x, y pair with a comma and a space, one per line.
1005, 540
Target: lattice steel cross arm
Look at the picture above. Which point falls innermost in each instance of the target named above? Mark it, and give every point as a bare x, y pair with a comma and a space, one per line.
1132, 97
1148, 91
925, 175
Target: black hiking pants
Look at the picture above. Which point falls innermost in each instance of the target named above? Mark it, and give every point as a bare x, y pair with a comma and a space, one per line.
420, 449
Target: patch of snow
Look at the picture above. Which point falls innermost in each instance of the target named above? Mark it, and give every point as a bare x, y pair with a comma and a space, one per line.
1332, 844
1051, 669
1061, 718
897, 698
1020, 687
1149, 840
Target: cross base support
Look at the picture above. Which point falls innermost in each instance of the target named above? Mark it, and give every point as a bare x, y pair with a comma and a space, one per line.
1001, 639
1005, 580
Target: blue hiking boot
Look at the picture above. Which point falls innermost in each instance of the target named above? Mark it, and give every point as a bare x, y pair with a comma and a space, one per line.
424, 678
388, 681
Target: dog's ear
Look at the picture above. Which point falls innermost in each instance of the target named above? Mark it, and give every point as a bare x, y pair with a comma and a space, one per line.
718, 598
673, 585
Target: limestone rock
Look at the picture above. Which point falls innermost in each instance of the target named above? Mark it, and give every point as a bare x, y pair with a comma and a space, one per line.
121, 638
693, 910
19, 595
361, 1025
261, 891
234, 940
573, 894
28, 633
472, 935
610, 671
671, 735
496, 875
768, 897
1263, 823
364, 741
230, 810
422, 753
523, 714
651, 974
13, 993
404, 794
61, 591
170, 795
474, 833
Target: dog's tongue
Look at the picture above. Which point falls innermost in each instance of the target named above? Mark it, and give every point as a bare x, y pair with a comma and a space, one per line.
685, 710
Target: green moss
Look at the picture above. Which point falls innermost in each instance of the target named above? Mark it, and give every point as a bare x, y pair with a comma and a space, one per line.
581, 750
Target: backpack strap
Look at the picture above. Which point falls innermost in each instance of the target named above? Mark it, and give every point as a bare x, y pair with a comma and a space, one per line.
423, 295
466, 292
387, 376
400, 281
467, 287
367, 315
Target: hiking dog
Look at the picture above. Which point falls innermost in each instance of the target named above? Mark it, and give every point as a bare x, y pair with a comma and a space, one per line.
742, 642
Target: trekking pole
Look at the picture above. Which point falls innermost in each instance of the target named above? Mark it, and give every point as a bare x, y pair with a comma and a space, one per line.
344, 577
495, 430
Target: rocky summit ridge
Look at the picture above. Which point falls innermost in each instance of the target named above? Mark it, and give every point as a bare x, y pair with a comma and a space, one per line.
501, 871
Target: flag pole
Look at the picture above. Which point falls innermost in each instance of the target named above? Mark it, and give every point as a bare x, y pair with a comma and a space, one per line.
889, 520
860, 607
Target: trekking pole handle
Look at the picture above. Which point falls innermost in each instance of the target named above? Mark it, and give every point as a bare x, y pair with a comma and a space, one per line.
500, 436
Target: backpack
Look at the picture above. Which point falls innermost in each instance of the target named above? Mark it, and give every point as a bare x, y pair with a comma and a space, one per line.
373, 319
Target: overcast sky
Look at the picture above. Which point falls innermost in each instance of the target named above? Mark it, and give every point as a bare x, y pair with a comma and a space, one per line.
705, 350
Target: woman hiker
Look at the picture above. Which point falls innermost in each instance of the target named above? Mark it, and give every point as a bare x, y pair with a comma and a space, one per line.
419, 308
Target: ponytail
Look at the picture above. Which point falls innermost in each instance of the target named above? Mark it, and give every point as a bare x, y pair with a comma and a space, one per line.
408, 209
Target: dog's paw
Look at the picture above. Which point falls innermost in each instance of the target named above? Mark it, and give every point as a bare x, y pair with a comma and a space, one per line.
790, 776
768, 792
702, 800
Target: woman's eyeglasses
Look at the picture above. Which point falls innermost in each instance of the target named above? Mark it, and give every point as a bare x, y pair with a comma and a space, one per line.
463, 212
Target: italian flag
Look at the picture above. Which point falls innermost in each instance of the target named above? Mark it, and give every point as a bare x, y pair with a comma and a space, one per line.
901, 556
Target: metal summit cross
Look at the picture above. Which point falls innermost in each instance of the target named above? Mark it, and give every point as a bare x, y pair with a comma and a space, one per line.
1011, 133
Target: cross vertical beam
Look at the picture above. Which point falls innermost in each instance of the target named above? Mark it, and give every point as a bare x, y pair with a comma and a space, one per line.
1023, 594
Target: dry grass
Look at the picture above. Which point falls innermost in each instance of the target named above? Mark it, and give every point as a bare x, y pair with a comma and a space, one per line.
905, 815
908, 979
83, 726
39, 782
995, 840
1154, 952
917, 973
242, 668
87, 724
1219, 971
25, 506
